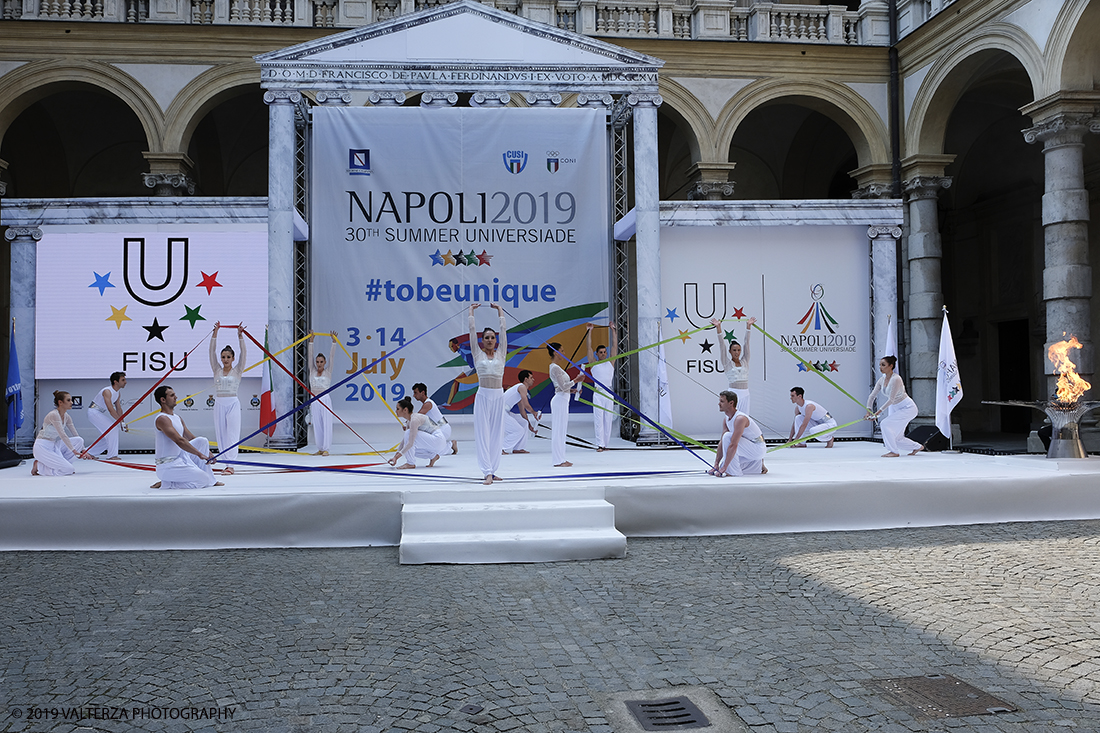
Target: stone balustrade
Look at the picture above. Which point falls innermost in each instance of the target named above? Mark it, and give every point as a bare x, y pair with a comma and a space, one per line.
675, 19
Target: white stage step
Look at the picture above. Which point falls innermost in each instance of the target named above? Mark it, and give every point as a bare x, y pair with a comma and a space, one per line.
517, 525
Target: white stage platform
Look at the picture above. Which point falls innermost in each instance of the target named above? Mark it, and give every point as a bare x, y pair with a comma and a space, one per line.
848, 487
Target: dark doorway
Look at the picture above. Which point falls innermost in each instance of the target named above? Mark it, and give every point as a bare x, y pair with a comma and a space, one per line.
1015, 380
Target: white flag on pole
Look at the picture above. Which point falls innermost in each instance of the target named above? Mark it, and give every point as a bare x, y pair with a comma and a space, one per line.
948, 385
892, 342
664, 400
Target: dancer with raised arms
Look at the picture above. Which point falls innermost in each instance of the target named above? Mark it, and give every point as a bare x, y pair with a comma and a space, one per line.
603, 372
741, 450
559, 405
106, 410
320, 410
58, 442
423, 438
890, 387
227, 407
489, 358
735, 363
517, 426
183, 459
810, 418
429, 408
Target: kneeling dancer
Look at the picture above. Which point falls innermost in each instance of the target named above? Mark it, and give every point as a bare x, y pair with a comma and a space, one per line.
58, 443
183, 460
518, 425
810, 418
423, 438
742, 448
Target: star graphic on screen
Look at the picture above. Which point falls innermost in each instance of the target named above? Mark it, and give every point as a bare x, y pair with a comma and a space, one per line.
671, 314
483, 258
706, 346
437, 259
155, 331
685, 336
460, 259
209, 282
738, 312
730, 337
802, 366
192, 315
118, 315
834, 367
449, 258
471, 258
101, 281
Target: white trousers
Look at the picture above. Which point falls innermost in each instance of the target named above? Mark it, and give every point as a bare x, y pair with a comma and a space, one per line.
742, 400
321, 420
54, 457
893, 427
748, 459
187, 471
428, 446
515, 432
815, 426
559, 425
602, 419
227, 425
488, 428
101, 421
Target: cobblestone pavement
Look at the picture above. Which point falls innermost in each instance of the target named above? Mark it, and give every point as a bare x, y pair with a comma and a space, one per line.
783, 628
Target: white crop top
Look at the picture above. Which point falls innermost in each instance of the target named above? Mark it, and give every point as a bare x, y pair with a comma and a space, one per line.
320, 382
561, 380
490, 372
226, 385
53, 429
894, 391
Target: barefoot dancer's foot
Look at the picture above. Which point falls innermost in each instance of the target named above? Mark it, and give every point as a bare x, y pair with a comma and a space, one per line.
829, 444
763, 469
324, 453
228, 471
799, 445
219, 484
520, 451
497, 478
454, 447
34, 469
889, 455
488, 480
155, 486
917, 450
405, 467
601, 449
432, 462
564, 464
317, 453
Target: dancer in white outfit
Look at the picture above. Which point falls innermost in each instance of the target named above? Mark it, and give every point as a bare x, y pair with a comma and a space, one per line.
810, 418
489, 358
429, 408
742, 448
320, 411
183, 460
517, 426
57, 443
603, 372
106, 410
227, 408
735, 363
423, 438
559, 405
890, 387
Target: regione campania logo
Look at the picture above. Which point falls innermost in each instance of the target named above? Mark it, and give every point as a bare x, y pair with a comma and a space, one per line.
359, 162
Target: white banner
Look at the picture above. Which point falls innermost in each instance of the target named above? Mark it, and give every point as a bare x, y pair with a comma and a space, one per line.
419, 212
808, 286
138, 301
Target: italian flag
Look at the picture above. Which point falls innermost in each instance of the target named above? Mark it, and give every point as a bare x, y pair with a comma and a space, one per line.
267, 406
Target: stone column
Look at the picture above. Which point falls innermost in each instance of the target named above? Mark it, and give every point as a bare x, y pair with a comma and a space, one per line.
24, 255
925, 290
334, 99
1067, 276
884, 289
280, 249
711, 181
438, 100
647, 249
490, 99
542, 99
3, 185
169, 174
386, 99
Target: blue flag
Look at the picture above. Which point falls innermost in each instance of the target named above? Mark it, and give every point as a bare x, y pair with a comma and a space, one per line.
14, 393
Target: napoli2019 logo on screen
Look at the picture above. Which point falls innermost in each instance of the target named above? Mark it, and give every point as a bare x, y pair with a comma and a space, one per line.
515, 161
359, 162
817, 316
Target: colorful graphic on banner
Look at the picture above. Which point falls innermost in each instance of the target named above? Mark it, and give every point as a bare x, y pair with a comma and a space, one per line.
139, 301
442, 208
807, 286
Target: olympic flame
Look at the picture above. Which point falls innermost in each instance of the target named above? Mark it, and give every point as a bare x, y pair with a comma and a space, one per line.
1070, 384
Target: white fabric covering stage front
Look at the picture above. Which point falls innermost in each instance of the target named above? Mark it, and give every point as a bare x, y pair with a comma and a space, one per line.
849, 487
